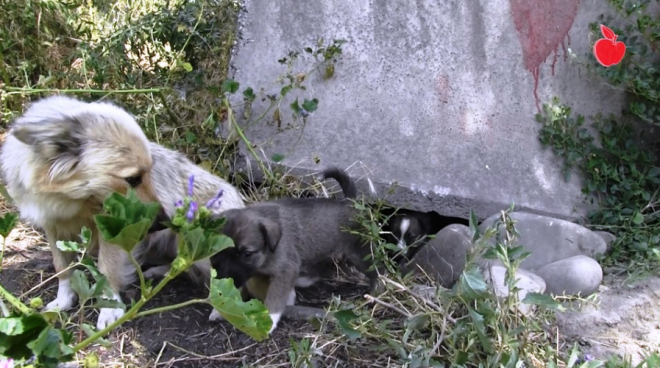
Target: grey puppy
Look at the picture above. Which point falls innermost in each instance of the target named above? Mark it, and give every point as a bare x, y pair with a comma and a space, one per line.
287, 240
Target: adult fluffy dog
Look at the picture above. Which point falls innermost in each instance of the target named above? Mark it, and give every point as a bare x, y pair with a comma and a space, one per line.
63, 157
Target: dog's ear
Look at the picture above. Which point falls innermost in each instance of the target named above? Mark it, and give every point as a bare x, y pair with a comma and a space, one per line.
271, 232
58, 141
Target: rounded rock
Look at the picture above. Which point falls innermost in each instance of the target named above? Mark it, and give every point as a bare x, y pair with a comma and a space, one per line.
571, 276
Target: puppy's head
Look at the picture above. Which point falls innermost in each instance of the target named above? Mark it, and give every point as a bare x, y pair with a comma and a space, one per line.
85, 150
407, 230
255, 238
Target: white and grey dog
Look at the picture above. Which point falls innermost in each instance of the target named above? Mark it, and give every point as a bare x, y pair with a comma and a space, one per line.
63, 157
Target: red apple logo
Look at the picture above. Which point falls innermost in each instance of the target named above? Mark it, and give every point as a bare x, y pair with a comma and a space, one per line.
607, 50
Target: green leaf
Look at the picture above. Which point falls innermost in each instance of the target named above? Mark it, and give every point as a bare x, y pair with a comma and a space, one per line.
186, 66
22, 330
127, 219
296, 107
478, 322
471, 284
414, 323
285, 90
198, 244
277, 157
638, 218
344, 318
311, 105
52, 346
67, 246
230, 85
543, 300
250, 317
90, 331
7, 223
80, 285
248, 94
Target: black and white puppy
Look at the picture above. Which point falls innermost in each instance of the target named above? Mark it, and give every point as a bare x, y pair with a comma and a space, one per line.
290, 242
410, 229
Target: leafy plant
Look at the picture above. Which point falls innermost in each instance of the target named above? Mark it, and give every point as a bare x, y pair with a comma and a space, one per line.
620, 175
637, 73
26, 332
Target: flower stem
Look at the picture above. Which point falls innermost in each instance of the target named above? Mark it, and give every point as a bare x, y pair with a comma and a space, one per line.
171, 307
130, 314
14, 301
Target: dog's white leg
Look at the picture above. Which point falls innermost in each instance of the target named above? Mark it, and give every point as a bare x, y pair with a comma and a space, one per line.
108, 316
304, 281
66, 297
118, 270
292, 298
275, 317
405, 224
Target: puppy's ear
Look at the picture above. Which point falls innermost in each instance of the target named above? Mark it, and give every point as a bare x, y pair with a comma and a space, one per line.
271, 232
58, 141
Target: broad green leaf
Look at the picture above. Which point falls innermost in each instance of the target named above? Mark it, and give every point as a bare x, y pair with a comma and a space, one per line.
17, 332
285, 90
638, 218
249, 94
187, 66
414, 323
250, 317
230, 85
67, 246
295, 106
7, 223
127, 219
310, 105
195, 244
543, 300
344, 318
471, 284
80, 285
478, 323
52, 346
277, 157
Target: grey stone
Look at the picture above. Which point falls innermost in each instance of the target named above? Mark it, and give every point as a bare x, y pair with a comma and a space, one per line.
443, 258
579, 274
438, 96
527, 282
608, 237
549, 239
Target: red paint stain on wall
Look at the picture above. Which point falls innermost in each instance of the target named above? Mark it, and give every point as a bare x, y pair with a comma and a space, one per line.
542, 26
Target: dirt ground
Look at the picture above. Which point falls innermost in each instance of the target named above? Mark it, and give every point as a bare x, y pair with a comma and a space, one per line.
626, 321
180, 338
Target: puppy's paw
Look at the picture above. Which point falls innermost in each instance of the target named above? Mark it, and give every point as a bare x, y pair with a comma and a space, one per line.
157, 272
66, 298
108, 316
275, 317
216, 316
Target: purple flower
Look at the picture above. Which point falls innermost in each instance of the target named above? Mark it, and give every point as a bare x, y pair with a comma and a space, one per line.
215, 202
179, 203
191, 210
9, 363
585, 358
191, 184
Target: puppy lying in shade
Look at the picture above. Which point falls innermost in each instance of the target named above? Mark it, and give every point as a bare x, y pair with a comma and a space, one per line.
289, 242
411, 229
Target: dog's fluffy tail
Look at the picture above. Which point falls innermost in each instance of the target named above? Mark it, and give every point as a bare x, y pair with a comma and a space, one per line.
345, 182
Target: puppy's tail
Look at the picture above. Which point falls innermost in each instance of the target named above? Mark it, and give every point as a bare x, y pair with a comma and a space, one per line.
345, 182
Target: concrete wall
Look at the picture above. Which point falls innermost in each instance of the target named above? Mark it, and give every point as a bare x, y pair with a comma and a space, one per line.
438, 96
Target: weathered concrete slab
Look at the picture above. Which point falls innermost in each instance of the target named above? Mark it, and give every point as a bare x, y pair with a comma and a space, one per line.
438, 96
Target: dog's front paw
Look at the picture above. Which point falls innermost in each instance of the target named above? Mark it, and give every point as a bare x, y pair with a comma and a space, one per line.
66, 298
216, 316
108, 316
275, 317
156, 272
